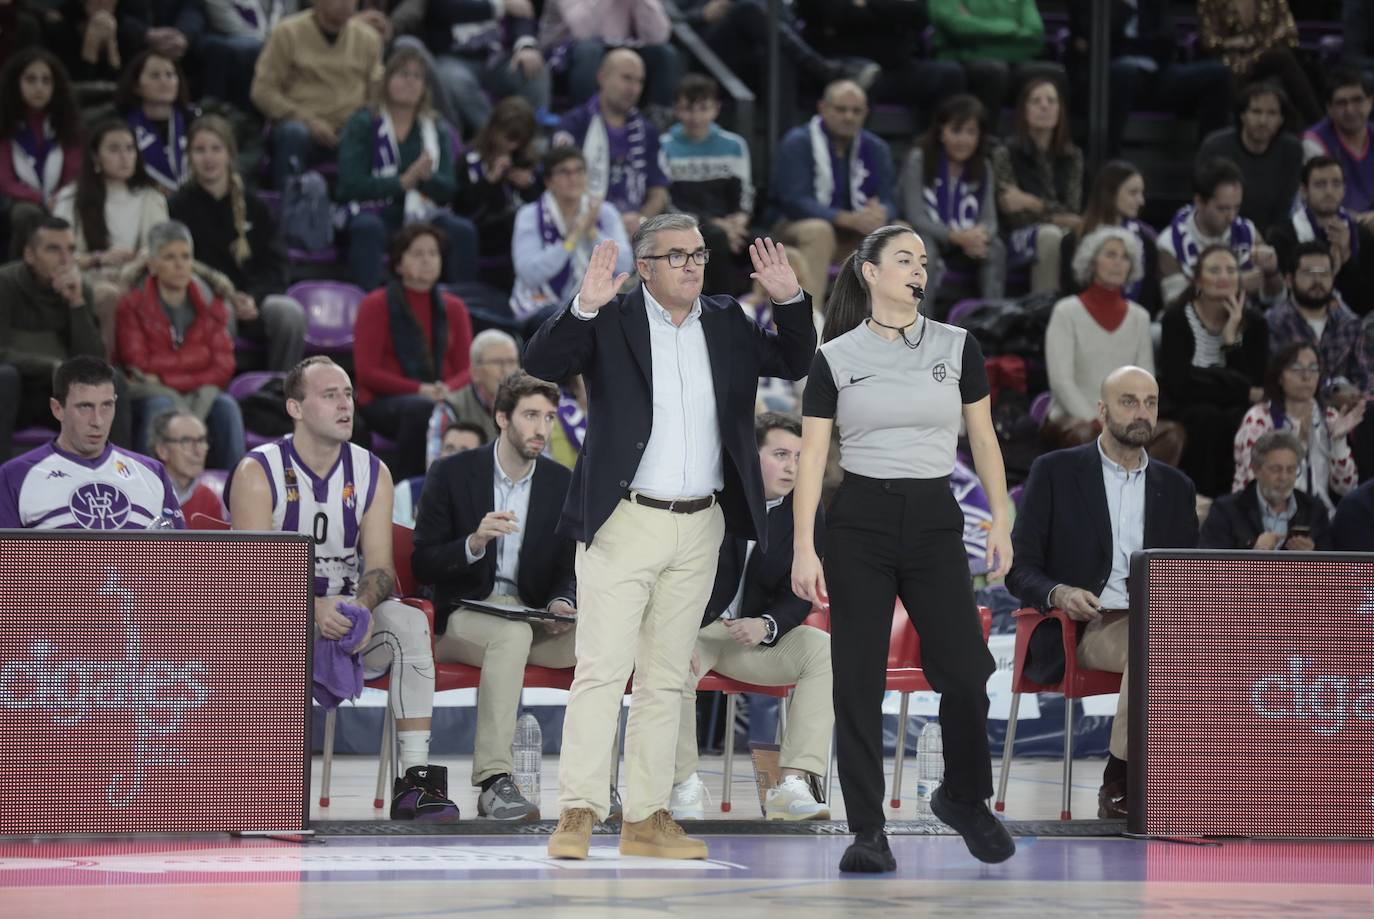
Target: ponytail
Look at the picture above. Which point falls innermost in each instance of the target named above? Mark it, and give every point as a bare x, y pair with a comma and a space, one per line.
849, 303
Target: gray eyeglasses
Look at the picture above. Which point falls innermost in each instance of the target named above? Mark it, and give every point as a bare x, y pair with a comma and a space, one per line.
677, 258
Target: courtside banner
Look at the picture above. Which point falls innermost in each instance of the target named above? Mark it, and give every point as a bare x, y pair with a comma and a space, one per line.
1252, 694
154, 682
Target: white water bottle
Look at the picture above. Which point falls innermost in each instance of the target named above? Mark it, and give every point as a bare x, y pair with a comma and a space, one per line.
930, 765
527, 754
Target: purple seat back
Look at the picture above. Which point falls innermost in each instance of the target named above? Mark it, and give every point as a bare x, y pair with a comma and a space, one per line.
961, 309
331, 308
245, 384
1040, 407
32, 437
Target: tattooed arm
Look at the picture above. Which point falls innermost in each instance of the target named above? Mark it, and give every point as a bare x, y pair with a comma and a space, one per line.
379, 577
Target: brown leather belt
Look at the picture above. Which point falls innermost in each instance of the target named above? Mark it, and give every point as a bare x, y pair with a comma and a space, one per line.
676, 506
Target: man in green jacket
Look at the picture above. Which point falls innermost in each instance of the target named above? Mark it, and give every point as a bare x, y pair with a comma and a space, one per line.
45, 318
997, 41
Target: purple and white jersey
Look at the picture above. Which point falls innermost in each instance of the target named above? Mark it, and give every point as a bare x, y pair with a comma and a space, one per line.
329, 509
51, 489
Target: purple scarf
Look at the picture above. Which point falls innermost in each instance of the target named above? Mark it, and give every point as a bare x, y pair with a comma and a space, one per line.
1186, 246
1308, 227
957, 204
573, 420
860, 183
37, 160
163, 157
973, 501
549, 235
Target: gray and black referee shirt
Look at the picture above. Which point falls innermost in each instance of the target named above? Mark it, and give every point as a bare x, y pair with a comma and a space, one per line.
898, 409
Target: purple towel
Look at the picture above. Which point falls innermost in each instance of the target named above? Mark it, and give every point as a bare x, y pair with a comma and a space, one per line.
338, 662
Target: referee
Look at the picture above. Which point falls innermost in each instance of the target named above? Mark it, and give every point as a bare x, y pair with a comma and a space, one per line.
897, 385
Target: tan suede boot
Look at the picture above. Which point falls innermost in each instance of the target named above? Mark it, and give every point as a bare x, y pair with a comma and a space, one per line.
574, 833
659, 837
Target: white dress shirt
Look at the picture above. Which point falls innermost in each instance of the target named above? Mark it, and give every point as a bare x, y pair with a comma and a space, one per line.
1126, 508
509, 495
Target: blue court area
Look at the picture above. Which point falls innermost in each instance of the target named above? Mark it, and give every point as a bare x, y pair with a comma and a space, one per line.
746, 876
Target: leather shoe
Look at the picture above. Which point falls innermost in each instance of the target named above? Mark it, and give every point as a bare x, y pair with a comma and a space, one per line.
1111, 801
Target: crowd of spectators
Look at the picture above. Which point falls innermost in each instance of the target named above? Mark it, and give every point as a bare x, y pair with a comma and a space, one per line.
475, 152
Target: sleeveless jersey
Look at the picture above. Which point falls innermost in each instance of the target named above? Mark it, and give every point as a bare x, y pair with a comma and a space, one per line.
50, 489
329, 509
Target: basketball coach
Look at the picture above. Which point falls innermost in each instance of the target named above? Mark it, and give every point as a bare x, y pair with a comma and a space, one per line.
668, 464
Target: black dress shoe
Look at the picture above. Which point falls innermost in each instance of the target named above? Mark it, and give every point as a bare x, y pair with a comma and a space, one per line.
987, 839
869, 853
1111, 801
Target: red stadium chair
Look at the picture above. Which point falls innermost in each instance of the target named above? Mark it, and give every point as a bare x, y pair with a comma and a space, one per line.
446, 676
904, 675
1077, 683
714, 682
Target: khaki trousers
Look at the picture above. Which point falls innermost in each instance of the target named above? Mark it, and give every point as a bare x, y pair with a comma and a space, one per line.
502, 648
641, 585
800, 657
1105, 645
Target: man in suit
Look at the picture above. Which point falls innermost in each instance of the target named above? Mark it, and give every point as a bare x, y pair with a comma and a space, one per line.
1083, 513
1269, 513
486, 532
753, 632
667, 465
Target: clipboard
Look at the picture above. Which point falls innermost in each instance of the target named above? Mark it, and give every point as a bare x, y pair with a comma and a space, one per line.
518, 613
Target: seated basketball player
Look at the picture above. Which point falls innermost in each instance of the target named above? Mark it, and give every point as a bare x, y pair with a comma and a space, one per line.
315, 482
80, 480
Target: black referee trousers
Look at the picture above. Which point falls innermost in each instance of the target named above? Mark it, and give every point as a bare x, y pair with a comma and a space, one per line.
903, 538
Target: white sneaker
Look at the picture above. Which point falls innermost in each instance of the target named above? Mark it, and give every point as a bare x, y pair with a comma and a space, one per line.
689, 799
792, 800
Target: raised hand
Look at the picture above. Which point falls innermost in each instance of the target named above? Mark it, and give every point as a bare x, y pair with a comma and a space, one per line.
600, 283
772, 270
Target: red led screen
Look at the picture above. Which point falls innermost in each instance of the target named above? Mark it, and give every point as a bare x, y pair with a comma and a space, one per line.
153, 682
1253, 694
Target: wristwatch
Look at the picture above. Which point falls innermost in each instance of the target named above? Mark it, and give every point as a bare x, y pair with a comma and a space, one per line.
770, 629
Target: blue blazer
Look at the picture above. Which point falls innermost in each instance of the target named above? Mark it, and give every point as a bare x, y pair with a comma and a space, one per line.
613, 354
1063, 534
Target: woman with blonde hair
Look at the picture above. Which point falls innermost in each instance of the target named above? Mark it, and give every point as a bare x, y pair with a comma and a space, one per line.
396, 167
236, 236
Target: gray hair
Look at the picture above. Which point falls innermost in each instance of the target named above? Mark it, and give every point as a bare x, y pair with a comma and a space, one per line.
163, 420
1275, 440
643, 242
490, 337
168, 232
1085, 258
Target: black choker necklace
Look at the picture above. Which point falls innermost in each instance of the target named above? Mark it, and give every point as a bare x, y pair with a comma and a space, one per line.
901, 330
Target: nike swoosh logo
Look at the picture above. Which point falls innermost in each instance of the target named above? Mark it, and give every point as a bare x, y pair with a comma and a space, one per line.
853, 379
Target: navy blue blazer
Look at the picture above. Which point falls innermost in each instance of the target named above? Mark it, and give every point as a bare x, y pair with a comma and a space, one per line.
767, 574
613, 354
1063, 532
459, 492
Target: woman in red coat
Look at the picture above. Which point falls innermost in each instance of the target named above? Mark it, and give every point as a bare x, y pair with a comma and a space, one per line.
411, 345
174, 344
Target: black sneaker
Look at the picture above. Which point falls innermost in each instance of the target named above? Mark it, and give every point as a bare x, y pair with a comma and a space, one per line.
987, 839
422, 794
869, 853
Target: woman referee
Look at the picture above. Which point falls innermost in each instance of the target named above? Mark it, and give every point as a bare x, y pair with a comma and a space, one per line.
897, 384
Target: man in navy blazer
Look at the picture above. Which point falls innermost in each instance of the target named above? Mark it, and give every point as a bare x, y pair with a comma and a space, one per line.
668, 463
1085, 510
485, 531
753, 632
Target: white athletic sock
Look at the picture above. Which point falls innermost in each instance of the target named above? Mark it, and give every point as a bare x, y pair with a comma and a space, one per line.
414, 748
